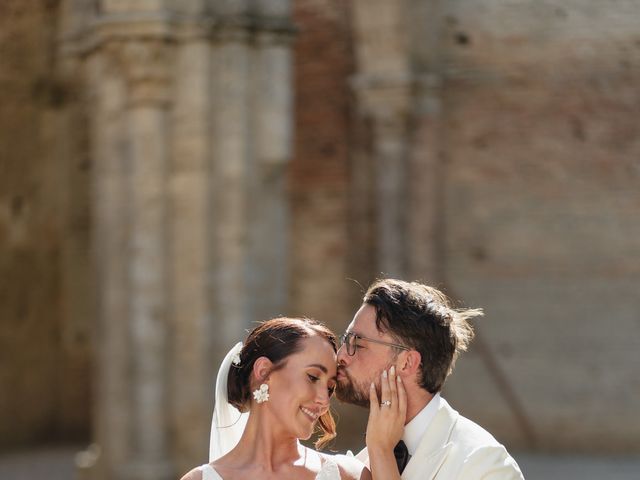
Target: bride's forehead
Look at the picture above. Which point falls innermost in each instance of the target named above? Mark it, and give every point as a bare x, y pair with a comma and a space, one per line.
316, 347
317, 342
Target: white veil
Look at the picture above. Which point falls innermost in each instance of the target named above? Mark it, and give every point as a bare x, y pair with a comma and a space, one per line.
228, 423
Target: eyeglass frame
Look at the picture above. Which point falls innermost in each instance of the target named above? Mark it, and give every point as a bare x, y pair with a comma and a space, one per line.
344, 341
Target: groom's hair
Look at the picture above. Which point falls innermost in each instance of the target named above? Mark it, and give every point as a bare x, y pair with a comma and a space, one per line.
277, 339
422, 318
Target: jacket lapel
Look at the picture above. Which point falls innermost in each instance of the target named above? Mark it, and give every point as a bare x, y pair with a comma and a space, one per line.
434, 446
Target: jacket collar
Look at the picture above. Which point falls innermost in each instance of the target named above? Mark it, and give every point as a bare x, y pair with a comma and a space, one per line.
434, 446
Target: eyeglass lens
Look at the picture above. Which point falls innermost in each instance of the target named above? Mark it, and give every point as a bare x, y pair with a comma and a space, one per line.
350, 341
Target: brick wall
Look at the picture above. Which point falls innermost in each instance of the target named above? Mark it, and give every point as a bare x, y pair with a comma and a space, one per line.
320, 183
543, 216
538, 138
319, 174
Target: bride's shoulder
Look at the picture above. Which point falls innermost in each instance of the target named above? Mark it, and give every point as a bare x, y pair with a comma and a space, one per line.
350, 467
194, 474
203, 472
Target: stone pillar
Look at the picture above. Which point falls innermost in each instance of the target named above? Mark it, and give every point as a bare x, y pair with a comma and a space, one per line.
426, 173
252, 124
232, 148
390, 184
385, 106
191, 318
129, 81
147, 69
107, 91
190, 213
273, 111
383, 92
426, 184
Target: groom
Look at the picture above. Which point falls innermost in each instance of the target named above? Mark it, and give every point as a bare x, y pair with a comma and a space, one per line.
413, 327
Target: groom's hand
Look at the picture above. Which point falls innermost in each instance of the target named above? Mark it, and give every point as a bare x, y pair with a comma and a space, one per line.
387, 415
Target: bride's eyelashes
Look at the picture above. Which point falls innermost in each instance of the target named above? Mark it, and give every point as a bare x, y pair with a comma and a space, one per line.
314, 379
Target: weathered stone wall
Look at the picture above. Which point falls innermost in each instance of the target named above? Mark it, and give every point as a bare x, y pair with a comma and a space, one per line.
190, 126
541, 105
45, 293
515, 125
522, 196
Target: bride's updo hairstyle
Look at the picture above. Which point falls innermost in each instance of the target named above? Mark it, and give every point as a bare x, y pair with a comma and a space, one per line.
277, 339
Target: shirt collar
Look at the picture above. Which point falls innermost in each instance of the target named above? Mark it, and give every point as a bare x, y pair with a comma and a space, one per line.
415, 429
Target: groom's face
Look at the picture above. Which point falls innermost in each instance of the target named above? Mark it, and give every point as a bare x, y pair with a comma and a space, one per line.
357, 371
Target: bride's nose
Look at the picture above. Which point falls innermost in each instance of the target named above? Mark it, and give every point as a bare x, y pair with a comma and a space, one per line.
322, 397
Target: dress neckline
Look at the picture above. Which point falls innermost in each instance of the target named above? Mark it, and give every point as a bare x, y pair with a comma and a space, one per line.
328, 471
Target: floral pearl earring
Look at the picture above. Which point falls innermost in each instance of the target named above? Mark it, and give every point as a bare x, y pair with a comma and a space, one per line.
261, 394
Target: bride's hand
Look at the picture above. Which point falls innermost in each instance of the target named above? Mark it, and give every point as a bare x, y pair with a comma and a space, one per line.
387, 415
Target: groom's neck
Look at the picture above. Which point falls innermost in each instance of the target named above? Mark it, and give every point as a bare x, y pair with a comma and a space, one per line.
417, 399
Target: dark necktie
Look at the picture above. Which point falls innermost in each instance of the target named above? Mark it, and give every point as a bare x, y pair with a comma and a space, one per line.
402, 455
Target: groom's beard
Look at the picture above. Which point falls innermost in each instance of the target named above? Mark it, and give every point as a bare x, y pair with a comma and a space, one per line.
350, 391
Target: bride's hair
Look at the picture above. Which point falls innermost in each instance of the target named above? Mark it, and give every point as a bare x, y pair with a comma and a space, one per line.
276, 339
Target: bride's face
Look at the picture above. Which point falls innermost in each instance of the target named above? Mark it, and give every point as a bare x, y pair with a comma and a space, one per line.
299, 392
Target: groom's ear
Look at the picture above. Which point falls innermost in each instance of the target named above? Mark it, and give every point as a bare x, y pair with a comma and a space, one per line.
261, 369
410, 364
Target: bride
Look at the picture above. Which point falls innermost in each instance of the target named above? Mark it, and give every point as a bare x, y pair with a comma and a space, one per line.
284, 376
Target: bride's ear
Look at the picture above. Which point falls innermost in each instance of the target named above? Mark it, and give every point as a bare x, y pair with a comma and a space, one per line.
261, 369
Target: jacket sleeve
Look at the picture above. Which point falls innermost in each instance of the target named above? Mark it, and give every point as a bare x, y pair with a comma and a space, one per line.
490, 463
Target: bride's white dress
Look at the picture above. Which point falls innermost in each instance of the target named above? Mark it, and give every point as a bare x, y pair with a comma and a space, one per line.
329, 471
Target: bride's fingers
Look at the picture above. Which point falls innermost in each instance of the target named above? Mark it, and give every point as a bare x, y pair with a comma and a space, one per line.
393, 391
402, 398
374, 405
384, 389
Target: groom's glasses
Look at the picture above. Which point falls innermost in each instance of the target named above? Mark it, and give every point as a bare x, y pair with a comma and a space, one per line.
349, 341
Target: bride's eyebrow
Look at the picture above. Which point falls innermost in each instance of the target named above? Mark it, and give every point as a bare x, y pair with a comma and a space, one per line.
318, 366
321, 367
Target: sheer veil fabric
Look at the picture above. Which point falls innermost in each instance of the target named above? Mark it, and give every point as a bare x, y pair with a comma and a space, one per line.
228, 423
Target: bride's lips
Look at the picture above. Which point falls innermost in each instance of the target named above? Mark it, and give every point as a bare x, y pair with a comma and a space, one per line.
312, 415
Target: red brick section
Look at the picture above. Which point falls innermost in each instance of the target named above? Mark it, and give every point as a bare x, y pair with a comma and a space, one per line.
323, 64
319, 173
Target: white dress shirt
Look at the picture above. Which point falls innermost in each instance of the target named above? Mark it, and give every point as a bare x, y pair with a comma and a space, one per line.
414, 430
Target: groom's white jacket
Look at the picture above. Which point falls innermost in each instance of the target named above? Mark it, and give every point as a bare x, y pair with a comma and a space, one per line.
453, 447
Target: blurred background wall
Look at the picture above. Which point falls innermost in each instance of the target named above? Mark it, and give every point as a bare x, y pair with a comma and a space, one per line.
46, 294
173, 171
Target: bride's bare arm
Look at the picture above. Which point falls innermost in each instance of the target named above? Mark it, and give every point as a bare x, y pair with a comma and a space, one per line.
385, 426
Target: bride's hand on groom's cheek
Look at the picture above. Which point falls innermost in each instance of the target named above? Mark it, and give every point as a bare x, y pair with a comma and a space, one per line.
387, 414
